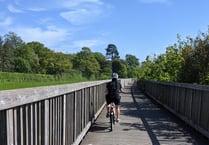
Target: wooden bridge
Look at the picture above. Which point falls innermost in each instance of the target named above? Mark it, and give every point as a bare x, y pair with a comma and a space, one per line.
143, 122
75, 114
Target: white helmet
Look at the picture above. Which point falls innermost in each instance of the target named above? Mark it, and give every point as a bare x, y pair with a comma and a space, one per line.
114, 75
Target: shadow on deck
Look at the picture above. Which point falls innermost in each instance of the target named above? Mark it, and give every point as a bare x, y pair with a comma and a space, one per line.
143, 122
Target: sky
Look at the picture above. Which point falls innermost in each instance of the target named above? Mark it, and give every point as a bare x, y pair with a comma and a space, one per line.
138, 27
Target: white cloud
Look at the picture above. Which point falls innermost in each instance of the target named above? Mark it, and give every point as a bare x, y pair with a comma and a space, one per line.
76, 45
13, 9
49, 37
77, 12
6, 22
38, 5
86, 43
75, 3
155, 1
37, 9
82, 11
81, 16
55, 37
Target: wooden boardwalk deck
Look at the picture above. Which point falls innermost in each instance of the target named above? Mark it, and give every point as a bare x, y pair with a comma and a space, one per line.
143, 122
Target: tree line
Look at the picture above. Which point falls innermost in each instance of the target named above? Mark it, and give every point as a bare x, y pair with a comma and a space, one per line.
34, 57
186, 61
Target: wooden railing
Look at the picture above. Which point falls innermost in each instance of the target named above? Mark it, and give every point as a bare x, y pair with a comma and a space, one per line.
189, 102
54, 115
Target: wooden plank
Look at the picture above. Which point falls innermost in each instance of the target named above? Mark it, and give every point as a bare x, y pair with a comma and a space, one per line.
18, 97
39, 123
64, 121
74, 117
82, 109
204, 119
31, 125
61, 119
70, 109
3, 129
58, 120
188, 102
53, 121
10, 127
36, 124
21, 126
15, 126
27, 126
182, 101
50, 122
46, 122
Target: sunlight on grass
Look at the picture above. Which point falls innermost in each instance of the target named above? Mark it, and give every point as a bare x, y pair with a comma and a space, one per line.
19, 80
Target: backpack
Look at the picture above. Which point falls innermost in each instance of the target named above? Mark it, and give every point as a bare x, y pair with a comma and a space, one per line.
113, 89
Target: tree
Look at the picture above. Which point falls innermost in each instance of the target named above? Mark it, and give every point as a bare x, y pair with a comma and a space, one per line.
131, 60
44, 57
132, 66
86, 63
22, 65
9, 43
1, 53
119, 66
105, 66
146, 69
189, 71
34, 57
25, 59
112, 52
195, 68
58, 64
7, 57
173, 62
14, 40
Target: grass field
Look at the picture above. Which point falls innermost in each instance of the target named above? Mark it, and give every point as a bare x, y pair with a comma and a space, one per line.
21, 80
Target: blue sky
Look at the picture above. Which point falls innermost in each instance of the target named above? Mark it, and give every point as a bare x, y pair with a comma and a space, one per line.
137, 27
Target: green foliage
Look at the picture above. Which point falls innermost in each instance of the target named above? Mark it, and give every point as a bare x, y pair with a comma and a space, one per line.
105, 66
25, 80
112, 52
196, 59
116, 66
186, 61
22, 65
132, 72
132, 64
25, 59
119, 66
86, 63
34, 58
131, 60
6, 56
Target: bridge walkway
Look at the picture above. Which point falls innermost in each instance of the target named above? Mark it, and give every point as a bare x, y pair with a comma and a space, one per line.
143, 122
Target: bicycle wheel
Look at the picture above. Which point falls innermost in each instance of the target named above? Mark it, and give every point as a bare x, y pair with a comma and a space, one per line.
112, 121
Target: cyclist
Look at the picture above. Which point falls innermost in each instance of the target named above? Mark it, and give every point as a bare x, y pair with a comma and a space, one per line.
113, 95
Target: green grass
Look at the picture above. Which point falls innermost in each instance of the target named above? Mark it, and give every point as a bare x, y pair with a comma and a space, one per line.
16, 85
21, 80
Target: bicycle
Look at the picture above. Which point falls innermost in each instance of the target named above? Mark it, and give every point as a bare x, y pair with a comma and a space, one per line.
112, 116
